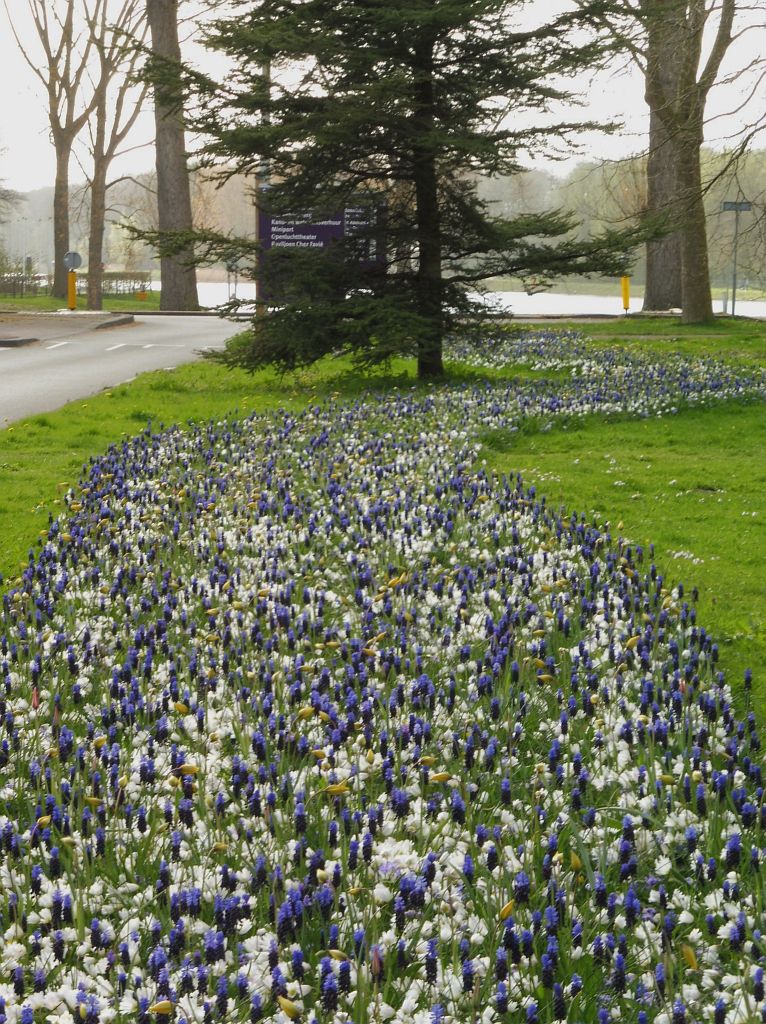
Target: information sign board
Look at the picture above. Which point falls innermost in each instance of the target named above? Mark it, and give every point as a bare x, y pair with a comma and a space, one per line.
298, 231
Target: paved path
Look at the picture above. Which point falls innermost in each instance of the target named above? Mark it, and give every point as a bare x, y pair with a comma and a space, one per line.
74, 358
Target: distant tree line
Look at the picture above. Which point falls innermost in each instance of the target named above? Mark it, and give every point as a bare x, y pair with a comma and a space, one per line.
429, 111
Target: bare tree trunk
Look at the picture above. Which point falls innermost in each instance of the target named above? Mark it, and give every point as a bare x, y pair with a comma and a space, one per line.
179, 279
96, 236
695, 272
61, 220
663, 255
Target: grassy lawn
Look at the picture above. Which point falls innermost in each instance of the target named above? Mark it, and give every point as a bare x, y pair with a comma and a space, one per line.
50, 304
611, 286
734, 338
693, 484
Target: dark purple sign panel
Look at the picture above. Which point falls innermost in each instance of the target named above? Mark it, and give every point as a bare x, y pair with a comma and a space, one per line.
296, 231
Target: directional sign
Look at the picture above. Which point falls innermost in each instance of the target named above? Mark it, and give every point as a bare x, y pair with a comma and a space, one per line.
360, 225
742, 206
72, 260
299, 231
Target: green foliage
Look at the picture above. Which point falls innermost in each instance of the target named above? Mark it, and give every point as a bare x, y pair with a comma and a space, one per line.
401, 106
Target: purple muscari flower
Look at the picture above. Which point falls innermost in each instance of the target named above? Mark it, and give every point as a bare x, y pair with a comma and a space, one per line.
399, 913
501, 998
575, 985
679, 1012
353, 854
599, 892
431, 962
330, 993
618, 975
400, 803
701, 800
547, 966
256, 1009
659, 978
758, 987
559, 1003
300, 818
458, 808
468, 867
344, 976
468, 975
297, 964
437, 1014
733, 850
719, 1012
501, 964
27, 1015
532, 1017
367, 847
278, 983
521, 887
222, 995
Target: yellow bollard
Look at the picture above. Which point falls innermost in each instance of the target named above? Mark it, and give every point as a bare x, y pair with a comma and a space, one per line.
625, 282
72, 289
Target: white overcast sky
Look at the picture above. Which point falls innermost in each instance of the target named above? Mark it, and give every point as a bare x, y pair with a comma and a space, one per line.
27, 160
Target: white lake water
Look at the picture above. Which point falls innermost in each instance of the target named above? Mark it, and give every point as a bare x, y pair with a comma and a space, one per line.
214, 293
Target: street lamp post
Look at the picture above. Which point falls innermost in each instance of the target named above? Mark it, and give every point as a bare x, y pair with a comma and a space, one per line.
737, 206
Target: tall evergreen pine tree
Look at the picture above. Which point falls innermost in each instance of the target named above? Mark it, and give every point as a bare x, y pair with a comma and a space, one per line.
401, 105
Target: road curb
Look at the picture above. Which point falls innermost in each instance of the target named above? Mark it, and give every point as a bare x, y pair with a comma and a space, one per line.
118, 319
16, 342
179, 312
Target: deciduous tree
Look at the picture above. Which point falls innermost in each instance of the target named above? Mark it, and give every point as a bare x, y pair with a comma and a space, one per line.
66, 52
118, 101
680, 45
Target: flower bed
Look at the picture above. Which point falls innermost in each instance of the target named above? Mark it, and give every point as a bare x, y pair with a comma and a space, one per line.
309, 717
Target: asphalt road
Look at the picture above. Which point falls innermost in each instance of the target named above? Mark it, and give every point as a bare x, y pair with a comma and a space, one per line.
76, 362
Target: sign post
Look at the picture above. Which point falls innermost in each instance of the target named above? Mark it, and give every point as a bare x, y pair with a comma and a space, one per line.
72, 261
738, 206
